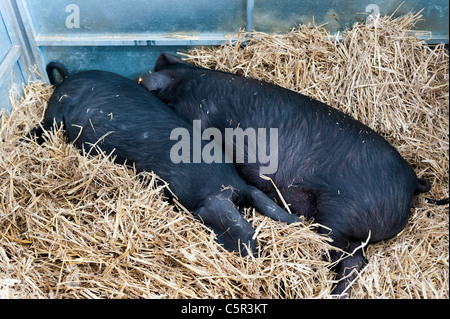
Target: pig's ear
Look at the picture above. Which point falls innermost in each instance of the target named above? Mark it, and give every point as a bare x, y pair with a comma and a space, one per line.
166, 59
155, 82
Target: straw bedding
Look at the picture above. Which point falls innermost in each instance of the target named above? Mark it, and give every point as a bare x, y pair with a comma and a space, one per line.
73, 226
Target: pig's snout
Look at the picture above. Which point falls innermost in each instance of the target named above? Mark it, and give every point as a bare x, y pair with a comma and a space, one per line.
423, 185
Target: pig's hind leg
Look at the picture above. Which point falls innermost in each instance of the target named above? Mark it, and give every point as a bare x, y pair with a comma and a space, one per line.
263, 204
347, 267
233, 232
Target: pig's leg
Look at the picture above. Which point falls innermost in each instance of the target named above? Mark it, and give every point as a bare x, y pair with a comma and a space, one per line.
267, 207
348, 267
233, 232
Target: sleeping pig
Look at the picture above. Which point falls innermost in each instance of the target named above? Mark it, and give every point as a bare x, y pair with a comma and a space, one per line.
329, 166
105, 112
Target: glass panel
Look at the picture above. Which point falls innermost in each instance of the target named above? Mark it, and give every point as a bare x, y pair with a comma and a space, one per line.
276, 16
137, 16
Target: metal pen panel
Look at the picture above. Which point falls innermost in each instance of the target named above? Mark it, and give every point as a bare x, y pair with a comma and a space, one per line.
125, 36
15, 63
137, 17
276, 16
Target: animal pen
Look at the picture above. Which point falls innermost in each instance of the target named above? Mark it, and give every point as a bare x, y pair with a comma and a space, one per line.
73, 226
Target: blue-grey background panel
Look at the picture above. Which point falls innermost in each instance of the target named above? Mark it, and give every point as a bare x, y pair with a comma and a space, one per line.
126, 36
130, 30
5, 41
10, 71
125, 60
120, 17
282, 15
14, 78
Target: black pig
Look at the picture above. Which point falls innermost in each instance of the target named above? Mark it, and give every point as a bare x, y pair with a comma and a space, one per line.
331, 167
105, 112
